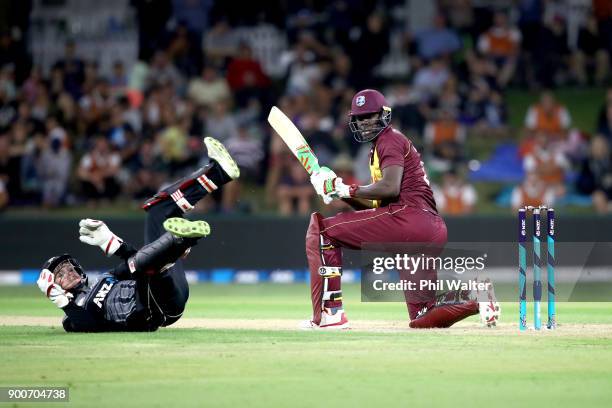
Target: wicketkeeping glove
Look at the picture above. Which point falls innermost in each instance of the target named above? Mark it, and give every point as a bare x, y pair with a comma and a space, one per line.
52, 290
95, 232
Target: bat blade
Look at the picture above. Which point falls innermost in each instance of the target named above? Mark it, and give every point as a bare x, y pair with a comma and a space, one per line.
294, 139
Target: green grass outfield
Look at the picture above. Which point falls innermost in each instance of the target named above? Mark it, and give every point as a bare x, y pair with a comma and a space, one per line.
387, 365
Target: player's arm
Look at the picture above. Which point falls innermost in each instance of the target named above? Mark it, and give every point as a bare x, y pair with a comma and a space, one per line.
78, 319
387, 187
97, 233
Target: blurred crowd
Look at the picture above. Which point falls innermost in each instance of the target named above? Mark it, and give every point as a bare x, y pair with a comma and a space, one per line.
77, 136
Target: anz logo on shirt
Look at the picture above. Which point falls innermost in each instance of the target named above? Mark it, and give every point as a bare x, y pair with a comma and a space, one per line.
102, 292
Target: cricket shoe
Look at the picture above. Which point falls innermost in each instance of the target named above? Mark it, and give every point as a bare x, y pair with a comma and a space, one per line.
219, 153
330, 320
183, 228
488, 306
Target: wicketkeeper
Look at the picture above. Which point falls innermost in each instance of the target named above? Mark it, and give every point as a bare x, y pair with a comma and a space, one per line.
148, 288
397, 207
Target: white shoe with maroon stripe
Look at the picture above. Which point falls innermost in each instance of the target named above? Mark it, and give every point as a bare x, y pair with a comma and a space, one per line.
489, 309
329, 321
219, 153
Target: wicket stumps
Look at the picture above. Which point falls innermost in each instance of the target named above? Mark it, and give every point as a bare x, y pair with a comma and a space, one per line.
537, 266
550, 269
522, 269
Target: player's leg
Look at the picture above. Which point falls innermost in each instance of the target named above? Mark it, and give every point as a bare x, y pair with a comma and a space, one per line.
170, 289
454, 306
391, 228
424, 310
325, 265
181, 196
154, 267
324, 242
442, 316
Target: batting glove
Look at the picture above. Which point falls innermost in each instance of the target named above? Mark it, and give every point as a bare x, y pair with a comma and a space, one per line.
52, 290
340, 190
320, 179
95, 232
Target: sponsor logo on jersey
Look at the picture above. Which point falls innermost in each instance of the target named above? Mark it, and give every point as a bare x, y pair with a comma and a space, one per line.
102, 292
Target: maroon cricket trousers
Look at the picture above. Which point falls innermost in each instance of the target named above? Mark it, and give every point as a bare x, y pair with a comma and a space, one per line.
394, 224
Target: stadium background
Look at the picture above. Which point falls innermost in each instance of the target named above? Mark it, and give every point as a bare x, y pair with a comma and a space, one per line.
101, 103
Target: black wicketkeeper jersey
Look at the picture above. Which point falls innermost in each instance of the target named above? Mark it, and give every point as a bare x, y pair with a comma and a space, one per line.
109, 305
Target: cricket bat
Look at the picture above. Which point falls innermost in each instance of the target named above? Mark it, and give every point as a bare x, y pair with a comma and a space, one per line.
293, 139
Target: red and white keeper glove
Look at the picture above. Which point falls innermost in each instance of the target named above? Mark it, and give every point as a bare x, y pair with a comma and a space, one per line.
55, 293
95, 232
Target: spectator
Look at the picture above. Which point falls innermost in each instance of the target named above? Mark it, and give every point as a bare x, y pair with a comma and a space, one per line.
455, 196
548, 162
221, 124
30, 182
97, 172
590, 54
73, 70
10, 168
317, 129
605, 125
25, 177
552, 58
437, 41
8, 109
173, 141
209, 89
245, 76
548, 117
96, 104
147, 170
430, 79
31, 86
595, 178
534, 192
369, 49
162, 71
303, 71
118, 79
54, 172
444, 138
7, 81
343, 167
184, 50
486, 112
500, 44
220, 44
247, 151
294, 191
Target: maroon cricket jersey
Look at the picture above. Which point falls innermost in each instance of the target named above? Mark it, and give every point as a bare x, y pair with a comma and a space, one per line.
392, 148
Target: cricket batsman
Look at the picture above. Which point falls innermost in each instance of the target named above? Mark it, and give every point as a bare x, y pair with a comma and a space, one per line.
148, 288
397, 207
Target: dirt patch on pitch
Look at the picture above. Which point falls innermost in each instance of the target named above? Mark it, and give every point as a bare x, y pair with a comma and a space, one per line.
380, 326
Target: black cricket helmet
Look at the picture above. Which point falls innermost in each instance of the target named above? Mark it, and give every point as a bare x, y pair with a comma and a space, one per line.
53, 263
